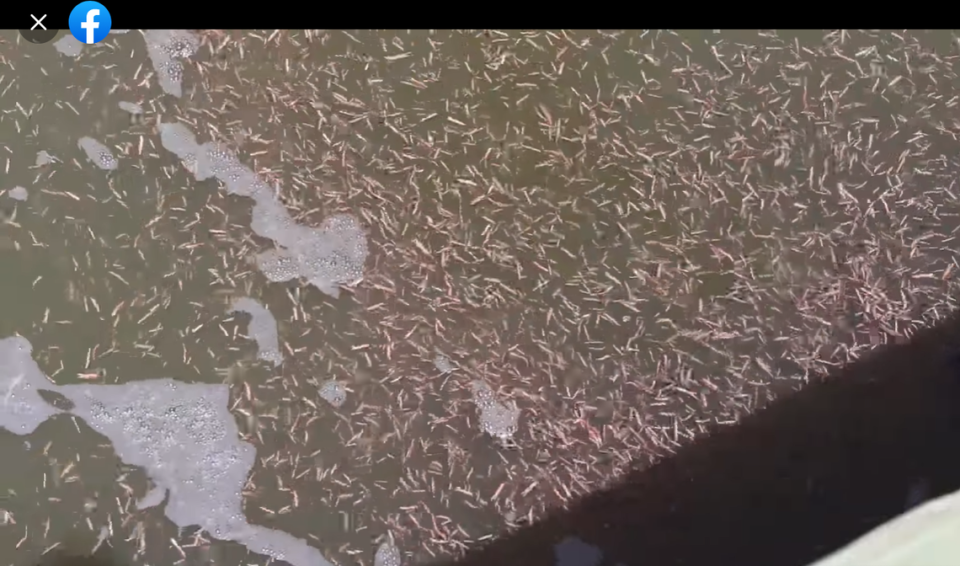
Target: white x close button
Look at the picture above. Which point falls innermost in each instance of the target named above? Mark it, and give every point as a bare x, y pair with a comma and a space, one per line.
38, 33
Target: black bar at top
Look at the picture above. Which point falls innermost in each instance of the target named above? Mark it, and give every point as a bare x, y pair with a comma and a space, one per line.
189, 14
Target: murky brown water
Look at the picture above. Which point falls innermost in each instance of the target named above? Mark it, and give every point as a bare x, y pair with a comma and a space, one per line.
634, 236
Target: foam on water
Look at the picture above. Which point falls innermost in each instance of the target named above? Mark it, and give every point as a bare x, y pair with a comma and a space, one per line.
21, 407
333, 392
43, 158
277, 266
443, 364
166, 48
154, 497
278, 545
99, 154
332, 255
262, 329
69, 46
328, 256
496, 419
387, 554
131, 107
216, 160
178, 139
18, 193
182, 435
270, 219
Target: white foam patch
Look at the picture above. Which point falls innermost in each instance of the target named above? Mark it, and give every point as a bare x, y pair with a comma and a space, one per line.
215, 160
262, 329
496, 419
178, 139
387, 554
271, 220
43, 158
131, 107
154, 497
166, 48
327, 257
21, 407
18, 193
278, 545
443, 364
332, 255
277, 266
69, 46
182, 435
99, 154
333, 392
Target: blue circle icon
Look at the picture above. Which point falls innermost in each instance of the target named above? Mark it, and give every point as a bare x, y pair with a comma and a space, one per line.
90, 22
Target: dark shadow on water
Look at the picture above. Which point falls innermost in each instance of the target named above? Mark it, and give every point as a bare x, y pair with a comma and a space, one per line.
786, 486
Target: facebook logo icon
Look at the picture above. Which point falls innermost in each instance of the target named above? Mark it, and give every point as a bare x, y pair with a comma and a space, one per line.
90, 22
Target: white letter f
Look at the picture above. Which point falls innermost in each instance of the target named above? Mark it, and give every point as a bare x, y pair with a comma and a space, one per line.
91, 24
